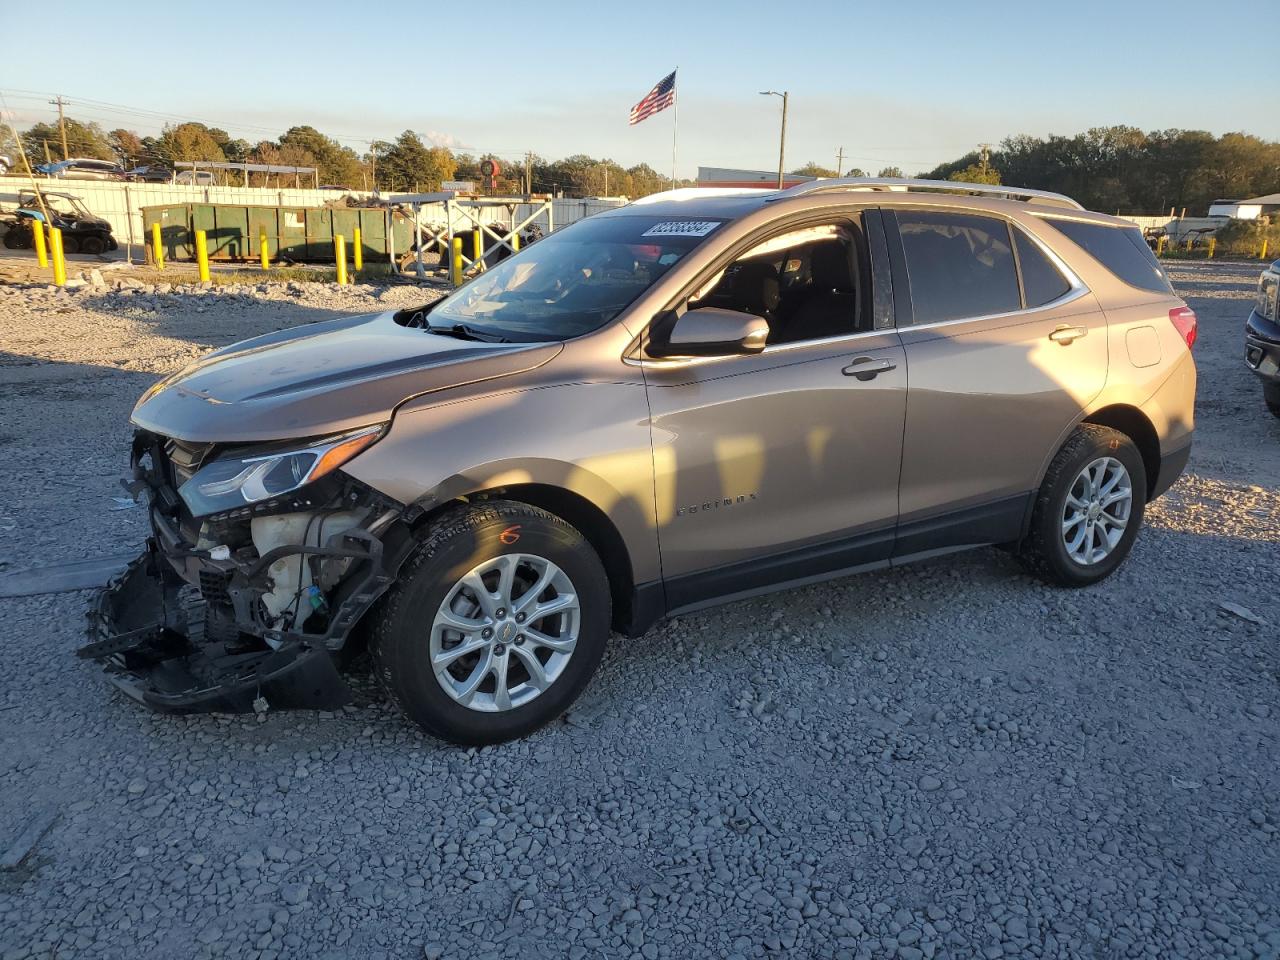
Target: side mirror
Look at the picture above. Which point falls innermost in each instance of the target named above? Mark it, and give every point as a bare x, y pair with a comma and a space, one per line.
712, 332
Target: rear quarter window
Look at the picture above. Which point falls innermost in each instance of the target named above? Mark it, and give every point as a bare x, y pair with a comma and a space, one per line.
1042, 282
1122, 250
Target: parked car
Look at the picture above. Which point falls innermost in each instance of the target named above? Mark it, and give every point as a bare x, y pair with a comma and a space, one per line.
82, 232
5, 164
689, 400
82, 168
150, 173
201, 178
1262, 337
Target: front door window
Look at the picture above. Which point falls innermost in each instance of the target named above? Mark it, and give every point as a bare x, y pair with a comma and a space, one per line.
808, 284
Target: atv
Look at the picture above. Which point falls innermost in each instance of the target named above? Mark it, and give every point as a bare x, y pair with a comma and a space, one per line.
82, 232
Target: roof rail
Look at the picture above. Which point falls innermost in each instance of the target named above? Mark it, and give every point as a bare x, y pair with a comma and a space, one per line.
908, 185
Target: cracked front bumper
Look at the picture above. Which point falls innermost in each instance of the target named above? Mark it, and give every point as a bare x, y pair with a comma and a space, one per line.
146, 628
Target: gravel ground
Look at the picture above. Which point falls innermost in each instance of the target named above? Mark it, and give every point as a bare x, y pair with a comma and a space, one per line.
950, 760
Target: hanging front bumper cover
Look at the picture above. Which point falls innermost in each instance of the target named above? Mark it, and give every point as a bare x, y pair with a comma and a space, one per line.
147, 629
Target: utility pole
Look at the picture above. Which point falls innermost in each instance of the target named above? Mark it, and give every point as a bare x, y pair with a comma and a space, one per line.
782, 139
528, 172
62, 124
985, 149
839, 161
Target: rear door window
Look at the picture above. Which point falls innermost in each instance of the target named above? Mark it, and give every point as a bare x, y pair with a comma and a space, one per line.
1042, 282
959, 265
1122, 250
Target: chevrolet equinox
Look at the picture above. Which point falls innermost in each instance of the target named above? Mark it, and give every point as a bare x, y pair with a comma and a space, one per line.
700, 397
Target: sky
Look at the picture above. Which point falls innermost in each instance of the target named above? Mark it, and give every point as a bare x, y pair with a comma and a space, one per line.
893, 84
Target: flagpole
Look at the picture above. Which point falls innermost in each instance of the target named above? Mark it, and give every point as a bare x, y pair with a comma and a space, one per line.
674, 127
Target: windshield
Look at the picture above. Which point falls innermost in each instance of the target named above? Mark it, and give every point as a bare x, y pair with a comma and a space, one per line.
574, 281
66, 206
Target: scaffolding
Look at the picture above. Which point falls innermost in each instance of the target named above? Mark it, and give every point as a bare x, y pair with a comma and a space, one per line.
466, 215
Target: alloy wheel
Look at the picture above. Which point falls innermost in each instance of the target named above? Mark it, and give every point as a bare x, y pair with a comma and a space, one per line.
1097, 511
505, 632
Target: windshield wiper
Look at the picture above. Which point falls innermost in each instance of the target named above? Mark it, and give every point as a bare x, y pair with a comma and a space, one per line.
464, 332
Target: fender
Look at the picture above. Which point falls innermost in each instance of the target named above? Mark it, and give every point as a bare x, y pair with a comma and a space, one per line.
601, 452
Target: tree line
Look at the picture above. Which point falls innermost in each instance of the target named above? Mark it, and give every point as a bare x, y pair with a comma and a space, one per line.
1128, 170
1116, 168
405, 164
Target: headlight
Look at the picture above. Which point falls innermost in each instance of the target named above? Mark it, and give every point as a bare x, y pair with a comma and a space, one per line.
1267, 290
236, 481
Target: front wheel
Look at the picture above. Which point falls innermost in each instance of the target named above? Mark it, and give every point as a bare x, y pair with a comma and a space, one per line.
1089, 508
1271, 395
495, 626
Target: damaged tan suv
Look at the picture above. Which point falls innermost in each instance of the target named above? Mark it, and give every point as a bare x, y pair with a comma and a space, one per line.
702, 396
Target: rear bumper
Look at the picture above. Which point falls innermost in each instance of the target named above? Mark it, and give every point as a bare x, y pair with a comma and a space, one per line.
147, 629
1262, 347
1172, 464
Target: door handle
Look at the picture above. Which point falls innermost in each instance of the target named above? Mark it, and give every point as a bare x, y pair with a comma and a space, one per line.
868, 368
1065, 334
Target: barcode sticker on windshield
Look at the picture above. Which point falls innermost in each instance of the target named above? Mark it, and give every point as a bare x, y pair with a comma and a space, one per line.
681, 228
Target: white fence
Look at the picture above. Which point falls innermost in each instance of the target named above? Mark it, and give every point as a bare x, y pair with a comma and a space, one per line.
120, 204
1179, 228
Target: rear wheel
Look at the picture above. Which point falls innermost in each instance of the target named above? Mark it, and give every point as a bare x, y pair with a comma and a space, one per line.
92, 245
495, 626
1089, 508
70, 244
1271, 395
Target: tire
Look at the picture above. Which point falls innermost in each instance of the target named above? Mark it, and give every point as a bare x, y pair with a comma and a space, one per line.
70, 244
1271, 396
92, 245
407, 631
15, 239
1046, 551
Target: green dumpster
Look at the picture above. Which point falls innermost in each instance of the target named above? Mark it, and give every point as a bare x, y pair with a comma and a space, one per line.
301, 234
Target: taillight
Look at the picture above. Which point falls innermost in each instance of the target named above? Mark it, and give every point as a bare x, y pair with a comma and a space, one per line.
1184, 319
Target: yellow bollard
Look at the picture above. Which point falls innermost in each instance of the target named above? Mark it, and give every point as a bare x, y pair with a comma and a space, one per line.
264, 249
1213, 245
515, 242
59, 262
202, 255
1160, 242
455, 263
477, 247
357, 251
1263, 254
340, 257
1188, 245
37, 239
157, 250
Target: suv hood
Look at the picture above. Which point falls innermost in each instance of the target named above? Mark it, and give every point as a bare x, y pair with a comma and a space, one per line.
321, 378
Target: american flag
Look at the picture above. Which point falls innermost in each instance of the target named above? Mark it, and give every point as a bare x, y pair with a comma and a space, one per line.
658, 99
